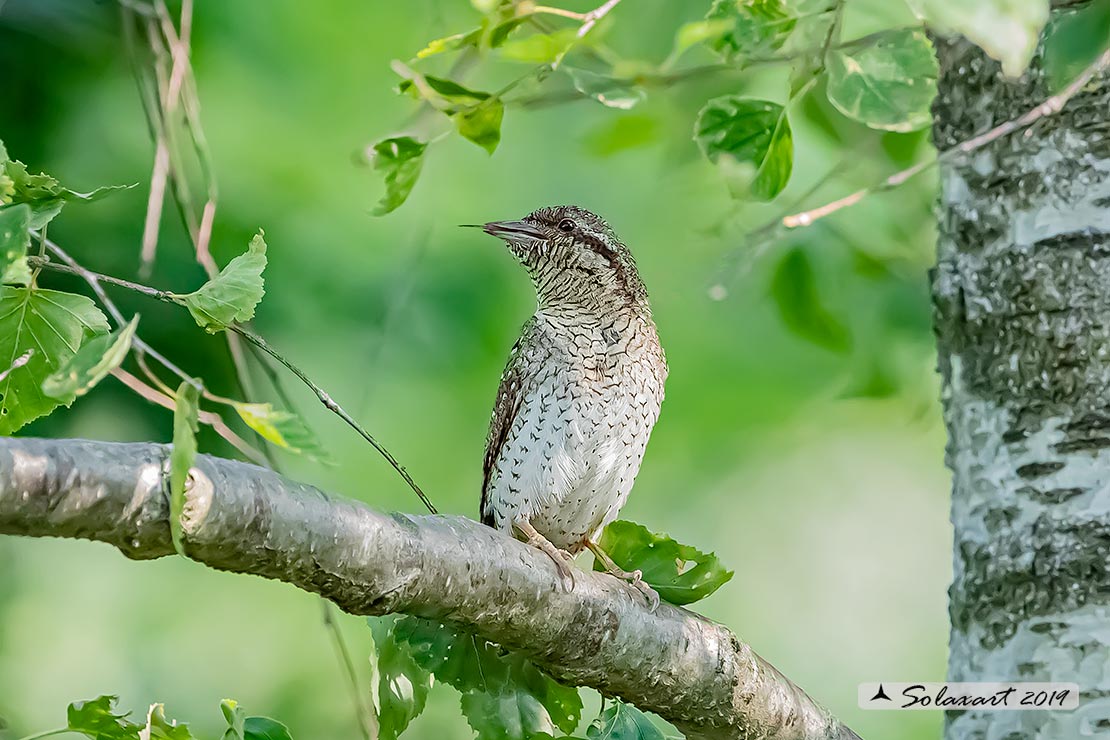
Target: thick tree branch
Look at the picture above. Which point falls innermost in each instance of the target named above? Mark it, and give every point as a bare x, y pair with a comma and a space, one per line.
245, 519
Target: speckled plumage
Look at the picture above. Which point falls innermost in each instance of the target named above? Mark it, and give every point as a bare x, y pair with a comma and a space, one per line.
583, 385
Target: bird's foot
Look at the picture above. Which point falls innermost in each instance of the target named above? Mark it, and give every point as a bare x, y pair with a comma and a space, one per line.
561, 558
633, 579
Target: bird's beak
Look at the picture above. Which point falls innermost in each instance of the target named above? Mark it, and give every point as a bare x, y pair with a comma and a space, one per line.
514, 231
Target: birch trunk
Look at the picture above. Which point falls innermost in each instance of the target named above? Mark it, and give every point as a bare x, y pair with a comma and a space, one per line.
1022, 299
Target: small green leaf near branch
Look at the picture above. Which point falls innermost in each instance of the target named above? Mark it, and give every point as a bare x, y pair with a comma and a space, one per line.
93, 362
681, 574
282, 428
232, 295
182, 456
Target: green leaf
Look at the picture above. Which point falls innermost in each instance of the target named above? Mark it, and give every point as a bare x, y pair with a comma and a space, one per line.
15, 238
399, 160
1007, 30
752, 138
97, 719
92, 363
482, 123
233, 294
622, 721
54, 325
794, 288
264, 728
680, 573
283, 428
888, 84
539, 48
183, 455
159, 728
1074, 40
609, 91
471, 664
450, 43
758, 26
447, 95
400, 685
477, 115
509, 715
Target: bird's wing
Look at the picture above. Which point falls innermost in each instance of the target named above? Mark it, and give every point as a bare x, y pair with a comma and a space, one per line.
509, 396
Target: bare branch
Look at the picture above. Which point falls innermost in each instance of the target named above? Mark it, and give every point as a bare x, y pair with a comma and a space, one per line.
241, 518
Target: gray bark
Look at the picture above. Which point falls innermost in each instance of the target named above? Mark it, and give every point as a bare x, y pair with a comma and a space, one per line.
1022, 298
241, 518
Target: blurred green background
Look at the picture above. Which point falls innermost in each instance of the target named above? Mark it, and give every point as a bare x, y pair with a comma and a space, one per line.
817, 475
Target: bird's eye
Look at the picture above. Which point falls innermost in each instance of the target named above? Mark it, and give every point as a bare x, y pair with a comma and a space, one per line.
566, 225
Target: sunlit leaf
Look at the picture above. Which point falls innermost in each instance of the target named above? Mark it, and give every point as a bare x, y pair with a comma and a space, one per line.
609, 91
470, 664
97, 719
232, 295
1074, 40
54, 325
888, 84
622, 721
401, 686
481, 124
283, 428
1007, 30
681, 574
450, 43
752, 134
794, 289
235, 717
15, 238
183, 455
508, 715
399, 161
92, 363
159, 728
758, 26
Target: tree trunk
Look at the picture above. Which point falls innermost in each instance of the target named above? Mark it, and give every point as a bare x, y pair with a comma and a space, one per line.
1022, 298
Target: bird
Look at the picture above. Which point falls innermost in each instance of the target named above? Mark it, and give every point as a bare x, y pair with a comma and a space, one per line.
580, 394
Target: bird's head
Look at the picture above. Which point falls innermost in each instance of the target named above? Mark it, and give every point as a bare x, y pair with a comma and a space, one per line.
573, 257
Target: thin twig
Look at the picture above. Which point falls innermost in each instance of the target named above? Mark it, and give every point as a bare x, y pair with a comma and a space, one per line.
367, 721
210, 418
1049, 107
335, 408
323, 396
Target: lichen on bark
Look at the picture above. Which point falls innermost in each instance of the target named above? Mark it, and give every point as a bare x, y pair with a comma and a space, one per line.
1022, 311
